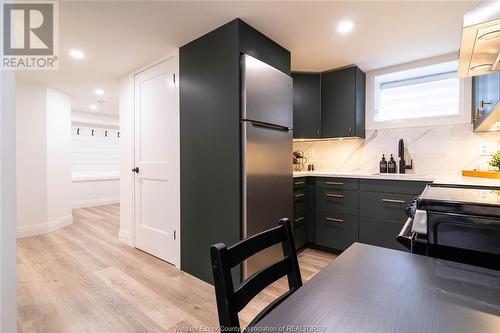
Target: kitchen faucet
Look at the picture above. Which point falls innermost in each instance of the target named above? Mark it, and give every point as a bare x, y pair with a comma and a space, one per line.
401, 155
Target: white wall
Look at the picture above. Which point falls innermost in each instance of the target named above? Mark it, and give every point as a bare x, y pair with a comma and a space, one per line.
58, 157
43, 124
8, 299
92, 118
126, 233
95, 169
88, 193
31, 159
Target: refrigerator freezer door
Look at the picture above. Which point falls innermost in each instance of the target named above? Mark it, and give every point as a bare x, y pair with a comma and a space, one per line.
267, 186
267, 93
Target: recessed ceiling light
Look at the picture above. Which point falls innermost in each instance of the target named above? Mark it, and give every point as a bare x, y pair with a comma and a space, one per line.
345, 26
77, 54
99, 92
93, 107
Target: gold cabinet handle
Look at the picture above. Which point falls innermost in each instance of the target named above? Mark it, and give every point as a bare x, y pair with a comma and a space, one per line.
394, 201
331, 219
299, 195
299, 183
334, 183
333, 195
298, 219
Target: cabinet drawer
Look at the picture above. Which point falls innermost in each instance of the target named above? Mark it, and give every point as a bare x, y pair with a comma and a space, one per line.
337, 183
380, 233
299, 196
392, 186
337, 231
299, 183
386, 206
299, 231
299, 208
338, 201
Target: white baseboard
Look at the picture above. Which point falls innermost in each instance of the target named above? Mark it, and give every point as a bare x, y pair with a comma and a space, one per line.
125, 237
95, 202
44, 228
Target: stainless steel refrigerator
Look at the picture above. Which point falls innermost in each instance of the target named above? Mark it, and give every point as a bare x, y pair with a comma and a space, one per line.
266, 120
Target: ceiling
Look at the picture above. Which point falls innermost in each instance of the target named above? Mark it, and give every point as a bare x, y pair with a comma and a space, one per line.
120, 36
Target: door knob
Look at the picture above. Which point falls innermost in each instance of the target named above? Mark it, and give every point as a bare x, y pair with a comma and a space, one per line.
136, 170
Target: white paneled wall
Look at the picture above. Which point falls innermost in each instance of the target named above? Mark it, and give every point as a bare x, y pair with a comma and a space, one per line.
95, 153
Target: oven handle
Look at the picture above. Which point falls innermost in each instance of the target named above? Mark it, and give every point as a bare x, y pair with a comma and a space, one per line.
405, 236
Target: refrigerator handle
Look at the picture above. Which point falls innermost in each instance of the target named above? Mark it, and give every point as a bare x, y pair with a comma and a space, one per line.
266, 125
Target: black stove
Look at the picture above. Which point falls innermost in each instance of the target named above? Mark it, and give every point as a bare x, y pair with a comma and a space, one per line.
459, 223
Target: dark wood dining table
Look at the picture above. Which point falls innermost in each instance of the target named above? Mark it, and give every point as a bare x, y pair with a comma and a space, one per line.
373, 289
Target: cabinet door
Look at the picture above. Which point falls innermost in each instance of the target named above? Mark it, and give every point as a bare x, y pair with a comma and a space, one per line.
306, 105
380, 232
338, 101
486, 95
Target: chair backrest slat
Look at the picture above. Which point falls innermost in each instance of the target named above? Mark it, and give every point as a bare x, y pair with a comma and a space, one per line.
254, 244
229, 301
259, 281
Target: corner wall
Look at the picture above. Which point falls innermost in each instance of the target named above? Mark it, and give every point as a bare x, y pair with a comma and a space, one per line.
58, 159
43, 163
126, 233
31, 158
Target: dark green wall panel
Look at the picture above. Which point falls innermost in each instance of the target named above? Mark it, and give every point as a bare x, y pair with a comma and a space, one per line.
210, 145
210, 138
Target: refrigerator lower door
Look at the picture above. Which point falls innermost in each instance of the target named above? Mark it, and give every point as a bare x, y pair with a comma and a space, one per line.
267, 186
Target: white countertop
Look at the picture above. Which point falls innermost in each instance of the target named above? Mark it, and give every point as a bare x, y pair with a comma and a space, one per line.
448, 180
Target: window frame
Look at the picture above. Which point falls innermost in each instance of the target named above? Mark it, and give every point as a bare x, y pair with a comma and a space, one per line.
465, 98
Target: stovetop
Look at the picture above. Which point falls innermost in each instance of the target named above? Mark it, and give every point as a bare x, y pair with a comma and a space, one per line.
461, 199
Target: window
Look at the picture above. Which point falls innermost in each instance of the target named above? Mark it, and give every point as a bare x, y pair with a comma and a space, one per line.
420, 94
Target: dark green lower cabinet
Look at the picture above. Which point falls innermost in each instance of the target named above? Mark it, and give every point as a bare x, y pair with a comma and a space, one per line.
334, 213
300, 232
335, 230
299, 214
380, 232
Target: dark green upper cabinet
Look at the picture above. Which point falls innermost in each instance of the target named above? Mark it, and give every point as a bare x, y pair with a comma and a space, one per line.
486, 96
306, 105
343, 103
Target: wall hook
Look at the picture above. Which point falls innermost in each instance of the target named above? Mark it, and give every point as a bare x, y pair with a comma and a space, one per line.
93, 132
106, 133
78, 131
118, 133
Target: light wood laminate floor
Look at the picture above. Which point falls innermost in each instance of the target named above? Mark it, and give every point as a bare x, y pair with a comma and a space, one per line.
83, 279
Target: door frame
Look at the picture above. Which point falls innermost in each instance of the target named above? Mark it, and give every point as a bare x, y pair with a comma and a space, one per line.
177, 224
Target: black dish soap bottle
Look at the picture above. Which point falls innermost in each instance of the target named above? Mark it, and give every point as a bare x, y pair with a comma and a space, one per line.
383, 165
391, 165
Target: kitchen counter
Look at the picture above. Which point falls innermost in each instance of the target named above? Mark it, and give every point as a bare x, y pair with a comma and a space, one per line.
445, 180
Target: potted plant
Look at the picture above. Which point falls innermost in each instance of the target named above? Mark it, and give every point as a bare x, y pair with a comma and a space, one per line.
495, 160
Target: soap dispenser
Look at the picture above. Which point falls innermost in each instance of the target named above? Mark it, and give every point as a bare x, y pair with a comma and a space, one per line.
391, 165
383, 165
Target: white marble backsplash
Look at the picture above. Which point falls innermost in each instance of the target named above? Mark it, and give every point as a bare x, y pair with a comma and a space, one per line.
437, 150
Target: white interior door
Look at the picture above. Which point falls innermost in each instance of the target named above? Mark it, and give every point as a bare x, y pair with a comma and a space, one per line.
157, 160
